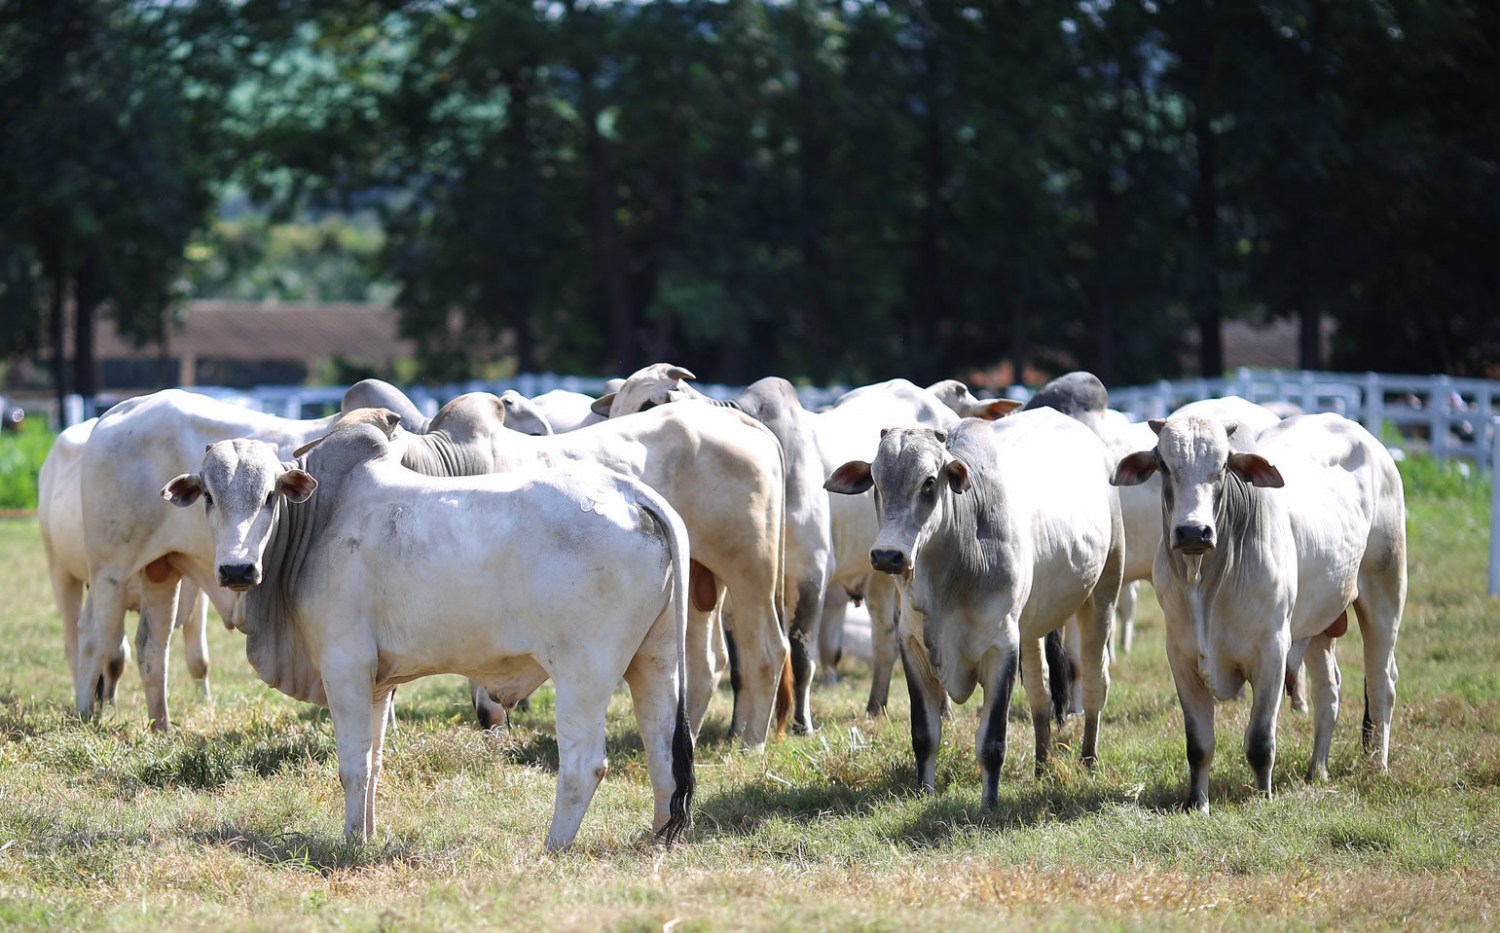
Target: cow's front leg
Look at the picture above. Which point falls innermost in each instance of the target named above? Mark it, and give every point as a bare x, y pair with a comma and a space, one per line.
1323, 691
997, 671
153, 640
1197, 721
806, 618
581, 762
1034, 676
351, 702
927, 697
1260, 734
380, 709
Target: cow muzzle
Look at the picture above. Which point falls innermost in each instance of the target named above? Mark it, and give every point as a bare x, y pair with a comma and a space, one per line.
1193, 539
239, 577
888, 560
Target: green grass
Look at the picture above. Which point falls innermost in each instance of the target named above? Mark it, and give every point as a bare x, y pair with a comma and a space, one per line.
234, 819
21, 455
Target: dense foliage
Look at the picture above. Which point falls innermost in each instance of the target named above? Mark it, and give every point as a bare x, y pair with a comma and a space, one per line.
828, 190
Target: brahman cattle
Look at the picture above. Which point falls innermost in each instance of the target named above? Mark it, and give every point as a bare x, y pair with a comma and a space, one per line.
996, 533
556, 412
1263, 552
773, 402
59, 515
130, 536
721, 470
359, 575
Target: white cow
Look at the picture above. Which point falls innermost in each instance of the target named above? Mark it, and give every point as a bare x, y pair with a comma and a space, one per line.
720, 469
1264, 552
556, 412
773, 402
996, 534
59, 515
374, 576
850, 430
129, 535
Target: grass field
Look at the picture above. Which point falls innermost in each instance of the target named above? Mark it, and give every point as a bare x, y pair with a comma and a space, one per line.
235, 818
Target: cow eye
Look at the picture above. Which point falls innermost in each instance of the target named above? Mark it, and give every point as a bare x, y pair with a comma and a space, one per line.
208, 501
928, 485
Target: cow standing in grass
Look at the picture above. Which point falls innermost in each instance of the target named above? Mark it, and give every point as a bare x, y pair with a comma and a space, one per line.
996, 534
359, 575
1261, 555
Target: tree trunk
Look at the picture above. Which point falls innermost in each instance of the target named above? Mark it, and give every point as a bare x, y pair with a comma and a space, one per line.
57, 325
608, 249
1208, 301
86, 298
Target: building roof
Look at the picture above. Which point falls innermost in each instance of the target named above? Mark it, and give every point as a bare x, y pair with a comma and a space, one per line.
251, 330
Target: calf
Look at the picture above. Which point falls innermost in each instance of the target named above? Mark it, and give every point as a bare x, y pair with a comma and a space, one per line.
384, 576
996, 533
1266, 550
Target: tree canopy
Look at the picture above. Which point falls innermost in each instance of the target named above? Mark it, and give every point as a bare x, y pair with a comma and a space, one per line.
824, 189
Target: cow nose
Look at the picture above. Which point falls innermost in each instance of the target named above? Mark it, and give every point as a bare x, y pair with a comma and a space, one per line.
238, 576
887, 561
1193, 539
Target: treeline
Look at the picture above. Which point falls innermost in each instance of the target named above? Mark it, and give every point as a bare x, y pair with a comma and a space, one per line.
828, 190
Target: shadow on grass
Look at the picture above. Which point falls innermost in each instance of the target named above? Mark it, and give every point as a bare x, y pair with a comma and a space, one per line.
323, 855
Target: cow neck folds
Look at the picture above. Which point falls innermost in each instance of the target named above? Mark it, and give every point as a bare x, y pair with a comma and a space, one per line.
438, 454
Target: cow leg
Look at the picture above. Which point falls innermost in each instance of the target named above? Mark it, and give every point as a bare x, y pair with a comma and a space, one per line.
804, 640
192, 618
1296, 684
707, 657
760, 653
1125, 615
153, 641
1323, 687
884, 604
997, 671
352, 704
1073, 643
1198, 723
652, 677
1260, 734
927, 695
831, 633
1094, 623
581, 762
1379, 610
489, 712
380, 709
67, 590
1038, 697
101, 646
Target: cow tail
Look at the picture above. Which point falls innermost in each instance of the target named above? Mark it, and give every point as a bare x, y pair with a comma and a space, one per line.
786, 689
1059, 673
683, 779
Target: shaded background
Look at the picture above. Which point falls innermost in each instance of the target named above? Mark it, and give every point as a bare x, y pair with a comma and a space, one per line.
830, 191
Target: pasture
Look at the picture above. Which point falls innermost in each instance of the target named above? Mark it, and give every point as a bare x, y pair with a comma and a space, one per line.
234, 819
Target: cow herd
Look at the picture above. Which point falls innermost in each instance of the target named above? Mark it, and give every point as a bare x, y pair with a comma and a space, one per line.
660, 537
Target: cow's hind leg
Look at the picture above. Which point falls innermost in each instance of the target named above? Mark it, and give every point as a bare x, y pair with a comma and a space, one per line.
1034, 675
1379, 610
806, 617
1323, 690
997, 671
1125, 619
192, 618
884, 605
581, 762
655, 694
1198, 724
1094, 621
101, 647
927, 696
831, 633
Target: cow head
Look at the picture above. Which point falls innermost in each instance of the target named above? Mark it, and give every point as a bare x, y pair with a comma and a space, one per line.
912, 473
1196, 461
956, 395
647, 388
241, 483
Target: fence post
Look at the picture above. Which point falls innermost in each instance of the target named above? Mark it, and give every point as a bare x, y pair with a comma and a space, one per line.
1374, 412
1494, 509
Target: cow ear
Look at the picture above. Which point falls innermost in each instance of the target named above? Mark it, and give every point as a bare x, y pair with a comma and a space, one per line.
302, 451
851, 479
996, 409
681, 374
1230, 427
391, 420
602, 404
184, 490
1157, 424
296, 485
958, 475
884, 432
1136, 468
941, 436
1256, 470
